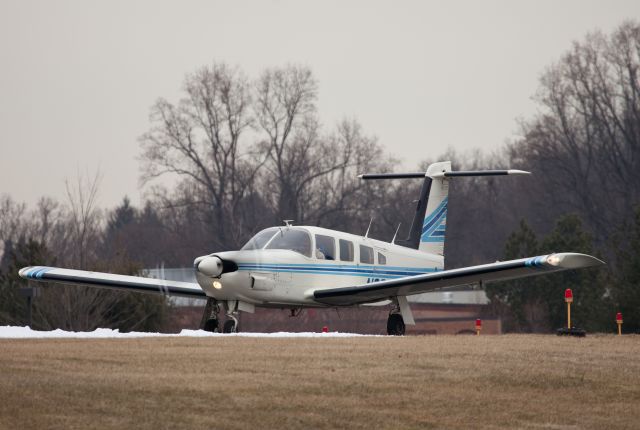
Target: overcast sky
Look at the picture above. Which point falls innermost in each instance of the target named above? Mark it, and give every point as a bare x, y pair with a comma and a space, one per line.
77, 78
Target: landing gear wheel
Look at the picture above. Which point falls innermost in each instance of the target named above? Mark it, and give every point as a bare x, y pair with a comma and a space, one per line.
211, 325
230, 326
395, 325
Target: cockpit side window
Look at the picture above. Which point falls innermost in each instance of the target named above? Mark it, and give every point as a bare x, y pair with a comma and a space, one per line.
366, 254
291, 239
346, 250
325, 247
381, 258
260, 239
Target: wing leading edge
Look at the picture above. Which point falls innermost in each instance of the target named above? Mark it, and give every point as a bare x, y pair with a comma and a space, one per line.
112, 281
410, 285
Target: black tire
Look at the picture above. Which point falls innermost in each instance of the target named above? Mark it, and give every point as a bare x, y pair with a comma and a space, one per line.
230, 326
211, 325
395, 325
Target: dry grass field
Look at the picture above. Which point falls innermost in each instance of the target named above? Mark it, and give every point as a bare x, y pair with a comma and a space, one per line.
512, 381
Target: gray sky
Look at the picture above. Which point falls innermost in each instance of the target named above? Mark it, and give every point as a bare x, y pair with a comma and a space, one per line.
77, 78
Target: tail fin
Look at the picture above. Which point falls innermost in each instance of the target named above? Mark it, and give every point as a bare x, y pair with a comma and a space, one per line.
434, 224
429, 224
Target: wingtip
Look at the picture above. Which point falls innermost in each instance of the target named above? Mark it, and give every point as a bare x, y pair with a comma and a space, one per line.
23, 272
573, 260
34, 272
517, 172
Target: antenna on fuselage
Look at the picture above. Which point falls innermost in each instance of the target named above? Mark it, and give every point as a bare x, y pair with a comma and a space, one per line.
368, 228
395, 234
287, 222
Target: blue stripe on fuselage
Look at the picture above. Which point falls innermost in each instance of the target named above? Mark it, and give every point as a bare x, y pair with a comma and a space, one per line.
338, 270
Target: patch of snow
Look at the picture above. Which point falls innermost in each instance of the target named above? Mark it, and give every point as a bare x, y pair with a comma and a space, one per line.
12, 332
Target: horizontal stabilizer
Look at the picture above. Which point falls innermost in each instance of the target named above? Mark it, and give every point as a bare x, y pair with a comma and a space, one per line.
480, 173
393, 175
443, 174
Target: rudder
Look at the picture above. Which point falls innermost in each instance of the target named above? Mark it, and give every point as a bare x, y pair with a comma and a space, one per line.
435, 221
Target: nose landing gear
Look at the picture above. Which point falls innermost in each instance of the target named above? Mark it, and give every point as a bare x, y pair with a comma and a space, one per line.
209, 320
211, 325
231, 324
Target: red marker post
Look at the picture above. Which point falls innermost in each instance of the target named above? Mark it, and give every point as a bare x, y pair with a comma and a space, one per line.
568, 297
325, 329
478, 326
619, 322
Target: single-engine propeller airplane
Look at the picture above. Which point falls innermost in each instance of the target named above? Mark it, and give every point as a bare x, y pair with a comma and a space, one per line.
296, 267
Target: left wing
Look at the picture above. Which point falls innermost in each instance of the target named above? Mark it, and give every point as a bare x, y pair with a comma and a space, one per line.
410, 285
112, 281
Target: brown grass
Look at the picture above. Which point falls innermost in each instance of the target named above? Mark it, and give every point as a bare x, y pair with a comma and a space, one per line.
513, 381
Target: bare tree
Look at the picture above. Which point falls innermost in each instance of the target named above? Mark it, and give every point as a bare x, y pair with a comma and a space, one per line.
333, 195
585, 143
311, 176
48, 221
84, 221
74, 308
199, 140
286, 113
12, 223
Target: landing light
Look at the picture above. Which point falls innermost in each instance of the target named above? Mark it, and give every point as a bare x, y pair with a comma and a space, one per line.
553, 260
217, 285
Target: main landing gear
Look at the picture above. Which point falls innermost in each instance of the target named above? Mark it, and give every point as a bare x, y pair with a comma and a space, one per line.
395, 325
396, 322
210, 321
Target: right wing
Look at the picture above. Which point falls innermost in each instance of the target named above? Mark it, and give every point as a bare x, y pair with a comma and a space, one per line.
112, 281
409, 285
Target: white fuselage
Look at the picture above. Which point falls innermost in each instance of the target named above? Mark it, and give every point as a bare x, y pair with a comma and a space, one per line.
284, 277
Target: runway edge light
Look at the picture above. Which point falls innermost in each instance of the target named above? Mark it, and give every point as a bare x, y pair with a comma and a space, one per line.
570, 330
619, 322
568, 297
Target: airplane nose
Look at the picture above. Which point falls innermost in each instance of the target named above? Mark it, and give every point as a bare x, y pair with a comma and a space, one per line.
210, 266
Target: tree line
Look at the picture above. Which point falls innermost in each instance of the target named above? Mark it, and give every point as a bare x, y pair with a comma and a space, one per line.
246, 153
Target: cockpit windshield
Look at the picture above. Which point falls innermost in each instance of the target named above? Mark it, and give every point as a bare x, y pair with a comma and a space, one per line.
292, 239
260, 239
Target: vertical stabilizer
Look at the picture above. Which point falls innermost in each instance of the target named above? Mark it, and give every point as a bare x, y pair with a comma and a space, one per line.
435, 220
429, 225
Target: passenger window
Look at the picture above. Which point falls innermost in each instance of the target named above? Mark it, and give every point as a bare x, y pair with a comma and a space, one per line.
382, 259
346, 250
325, 247
366, 254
